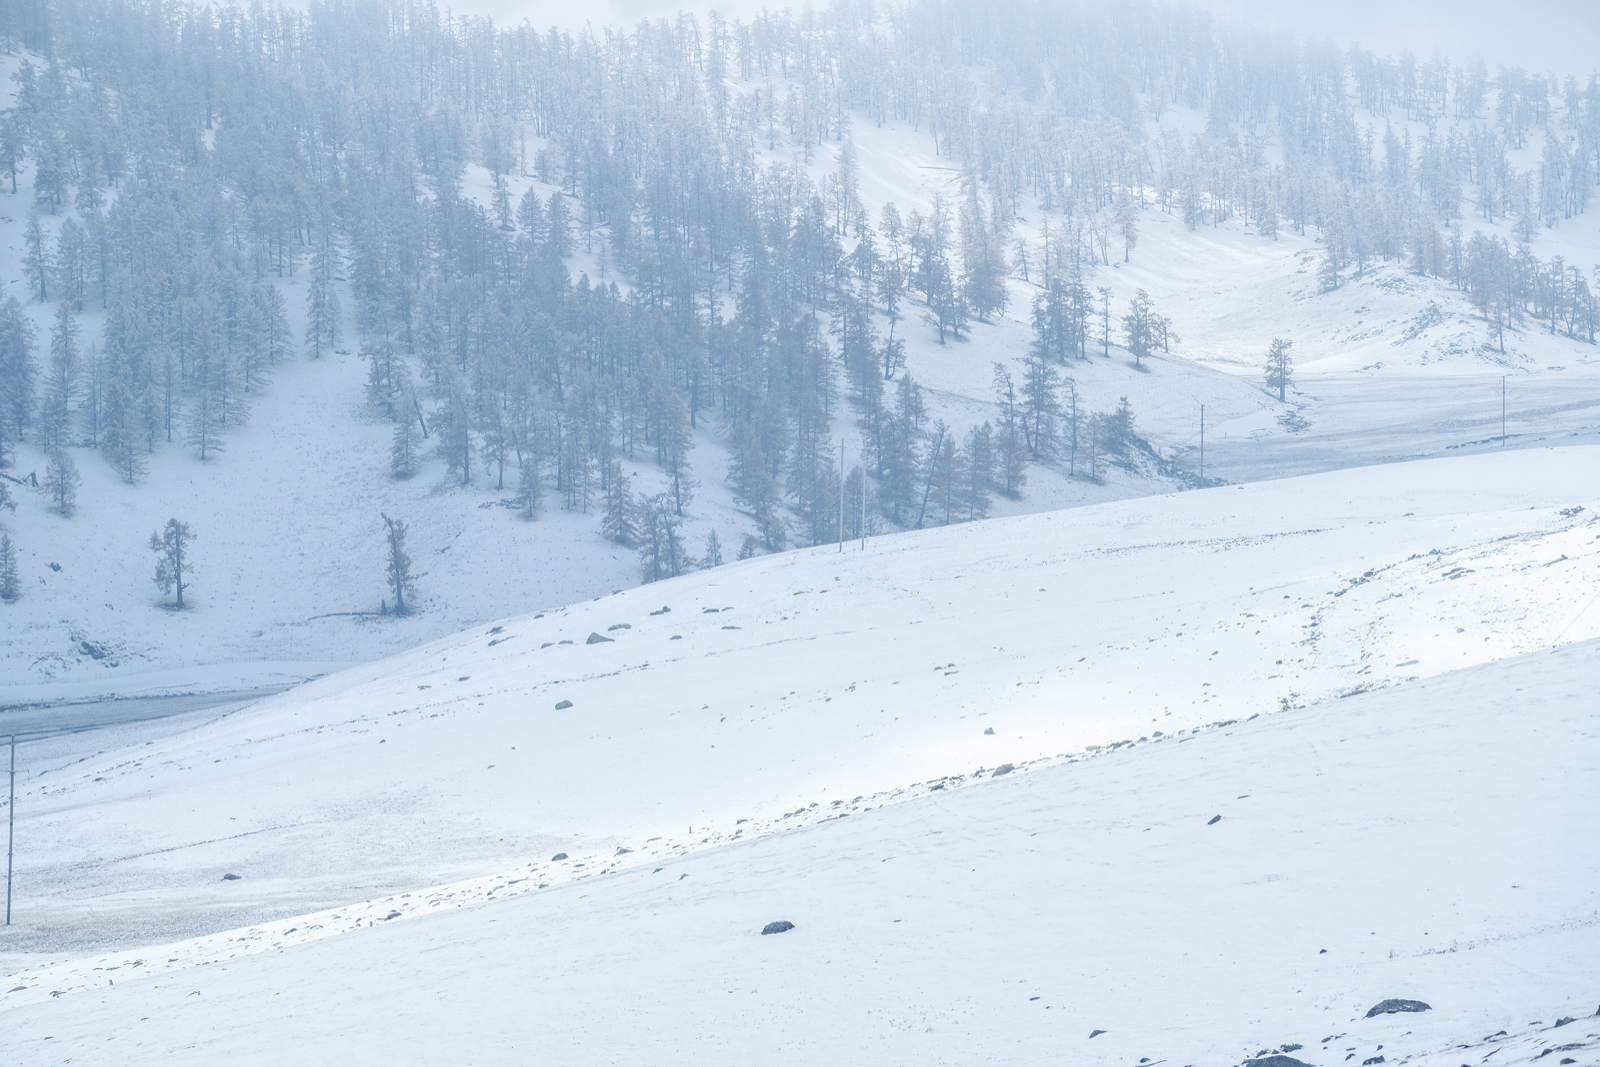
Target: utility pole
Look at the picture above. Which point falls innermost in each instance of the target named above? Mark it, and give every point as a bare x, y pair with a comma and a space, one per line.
11, 829
841, 494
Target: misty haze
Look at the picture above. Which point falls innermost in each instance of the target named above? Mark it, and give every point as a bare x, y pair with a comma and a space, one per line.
876, 533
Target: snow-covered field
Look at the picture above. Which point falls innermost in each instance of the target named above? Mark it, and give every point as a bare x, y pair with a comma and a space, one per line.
1418, 807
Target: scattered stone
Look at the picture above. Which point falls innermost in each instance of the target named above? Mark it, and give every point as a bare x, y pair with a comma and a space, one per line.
1371, 1060
230, 878
623, 851
1291, 1048
988, 730
663, 611
1004, 768
564, 705
1564, 1021
1213, 820
619, 626
1386, 1007
391, 915
1568, 1059
781, 926
597, 639
1095, 1033
1275, 1061
558, 856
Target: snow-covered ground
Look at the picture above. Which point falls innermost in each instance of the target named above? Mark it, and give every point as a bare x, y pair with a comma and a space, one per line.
1427, 839
1417, 806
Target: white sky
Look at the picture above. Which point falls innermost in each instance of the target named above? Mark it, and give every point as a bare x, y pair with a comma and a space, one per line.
1541, 35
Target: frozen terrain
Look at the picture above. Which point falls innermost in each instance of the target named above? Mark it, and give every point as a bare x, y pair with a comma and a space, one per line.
1417, 807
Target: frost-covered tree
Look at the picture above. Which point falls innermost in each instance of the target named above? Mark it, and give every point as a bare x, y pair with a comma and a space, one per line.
171, 546
10, 583
1280, 368
397, 563
619, 523
61, 481
713, 553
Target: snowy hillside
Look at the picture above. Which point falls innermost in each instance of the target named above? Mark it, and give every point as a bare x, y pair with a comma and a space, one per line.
1198, 896
813, 677
1394, 364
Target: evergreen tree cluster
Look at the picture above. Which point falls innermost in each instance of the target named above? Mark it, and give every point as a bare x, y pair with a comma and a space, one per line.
188, 163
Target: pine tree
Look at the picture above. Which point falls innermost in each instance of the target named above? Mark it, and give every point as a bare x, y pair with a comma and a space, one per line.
529, 489
149, 417
1141, 326
713, 556
322, 303
62, 383
10, 583
397, 563
18, 374
531, 217
403, 445
61, 480
619, 521
558, 232
661, 553
1328, 272
36, 260
1280, 369
171, 546
119, 442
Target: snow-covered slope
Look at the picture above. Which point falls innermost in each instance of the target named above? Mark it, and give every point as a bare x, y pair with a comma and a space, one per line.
760, 688
1196, 900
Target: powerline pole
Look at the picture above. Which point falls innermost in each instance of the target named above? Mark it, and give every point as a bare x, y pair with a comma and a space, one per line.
11, 829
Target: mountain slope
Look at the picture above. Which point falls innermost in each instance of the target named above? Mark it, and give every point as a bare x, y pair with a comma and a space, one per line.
1430, 841
809, 678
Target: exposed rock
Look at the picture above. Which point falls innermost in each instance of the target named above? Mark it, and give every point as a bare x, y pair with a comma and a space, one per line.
1564, 1021
1275, 1061
1004, 768
230, 878
619, 626
1213, 820
1095, 1033
597, 639
988, 730
1369, 1061
1386, 1007
564, 705
558, 856
778, 927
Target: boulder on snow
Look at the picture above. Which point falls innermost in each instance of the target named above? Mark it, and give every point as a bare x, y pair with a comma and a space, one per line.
1004, 768
1275, 1061
1386, 1007
1213, 820
558, 856
1095, 1033
597, 639
781, 926
564, 705
988, 730
230, 878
